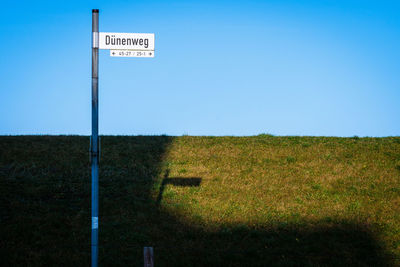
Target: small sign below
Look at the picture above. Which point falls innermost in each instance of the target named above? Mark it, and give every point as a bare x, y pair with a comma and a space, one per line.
95, 222
131, 53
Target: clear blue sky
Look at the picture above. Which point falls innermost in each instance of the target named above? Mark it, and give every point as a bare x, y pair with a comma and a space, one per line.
221, 68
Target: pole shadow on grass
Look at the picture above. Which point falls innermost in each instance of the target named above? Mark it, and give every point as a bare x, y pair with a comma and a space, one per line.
51, 191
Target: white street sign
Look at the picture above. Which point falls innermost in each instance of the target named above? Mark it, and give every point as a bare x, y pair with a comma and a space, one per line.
126, 41
131, 53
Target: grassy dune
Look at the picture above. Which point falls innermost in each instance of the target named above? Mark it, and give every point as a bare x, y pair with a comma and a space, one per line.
202, 201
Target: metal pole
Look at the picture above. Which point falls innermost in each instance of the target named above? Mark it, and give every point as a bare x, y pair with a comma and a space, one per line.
94, 153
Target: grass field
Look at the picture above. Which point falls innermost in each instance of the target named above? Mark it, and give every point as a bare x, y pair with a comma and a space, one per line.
202, 201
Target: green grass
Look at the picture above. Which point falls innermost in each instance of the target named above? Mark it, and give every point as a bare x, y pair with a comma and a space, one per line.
217, 201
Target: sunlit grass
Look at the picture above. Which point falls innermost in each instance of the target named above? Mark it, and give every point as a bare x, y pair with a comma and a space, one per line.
268, 180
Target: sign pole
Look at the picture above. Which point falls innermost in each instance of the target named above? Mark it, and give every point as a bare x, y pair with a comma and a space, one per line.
120, 45
94, 151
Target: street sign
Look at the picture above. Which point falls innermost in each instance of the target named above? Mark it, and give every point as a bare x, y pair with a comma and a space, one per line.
120, 45
131, 53
126, 41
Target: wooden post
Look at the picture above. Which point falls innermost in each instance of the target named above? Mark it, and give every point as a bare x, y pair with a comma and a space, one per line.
148, 257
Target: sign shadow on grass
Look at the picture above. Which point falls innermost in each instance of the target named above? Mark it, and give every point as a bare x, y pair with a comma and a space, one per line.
177, 181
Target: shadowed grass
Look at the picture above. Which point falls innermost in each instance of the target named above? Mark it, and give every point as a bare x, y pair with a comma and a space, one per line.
236, 201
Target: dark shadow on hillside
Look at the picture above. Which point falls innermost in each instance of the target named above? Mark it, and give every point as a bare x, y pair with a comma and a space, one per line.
45, 214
